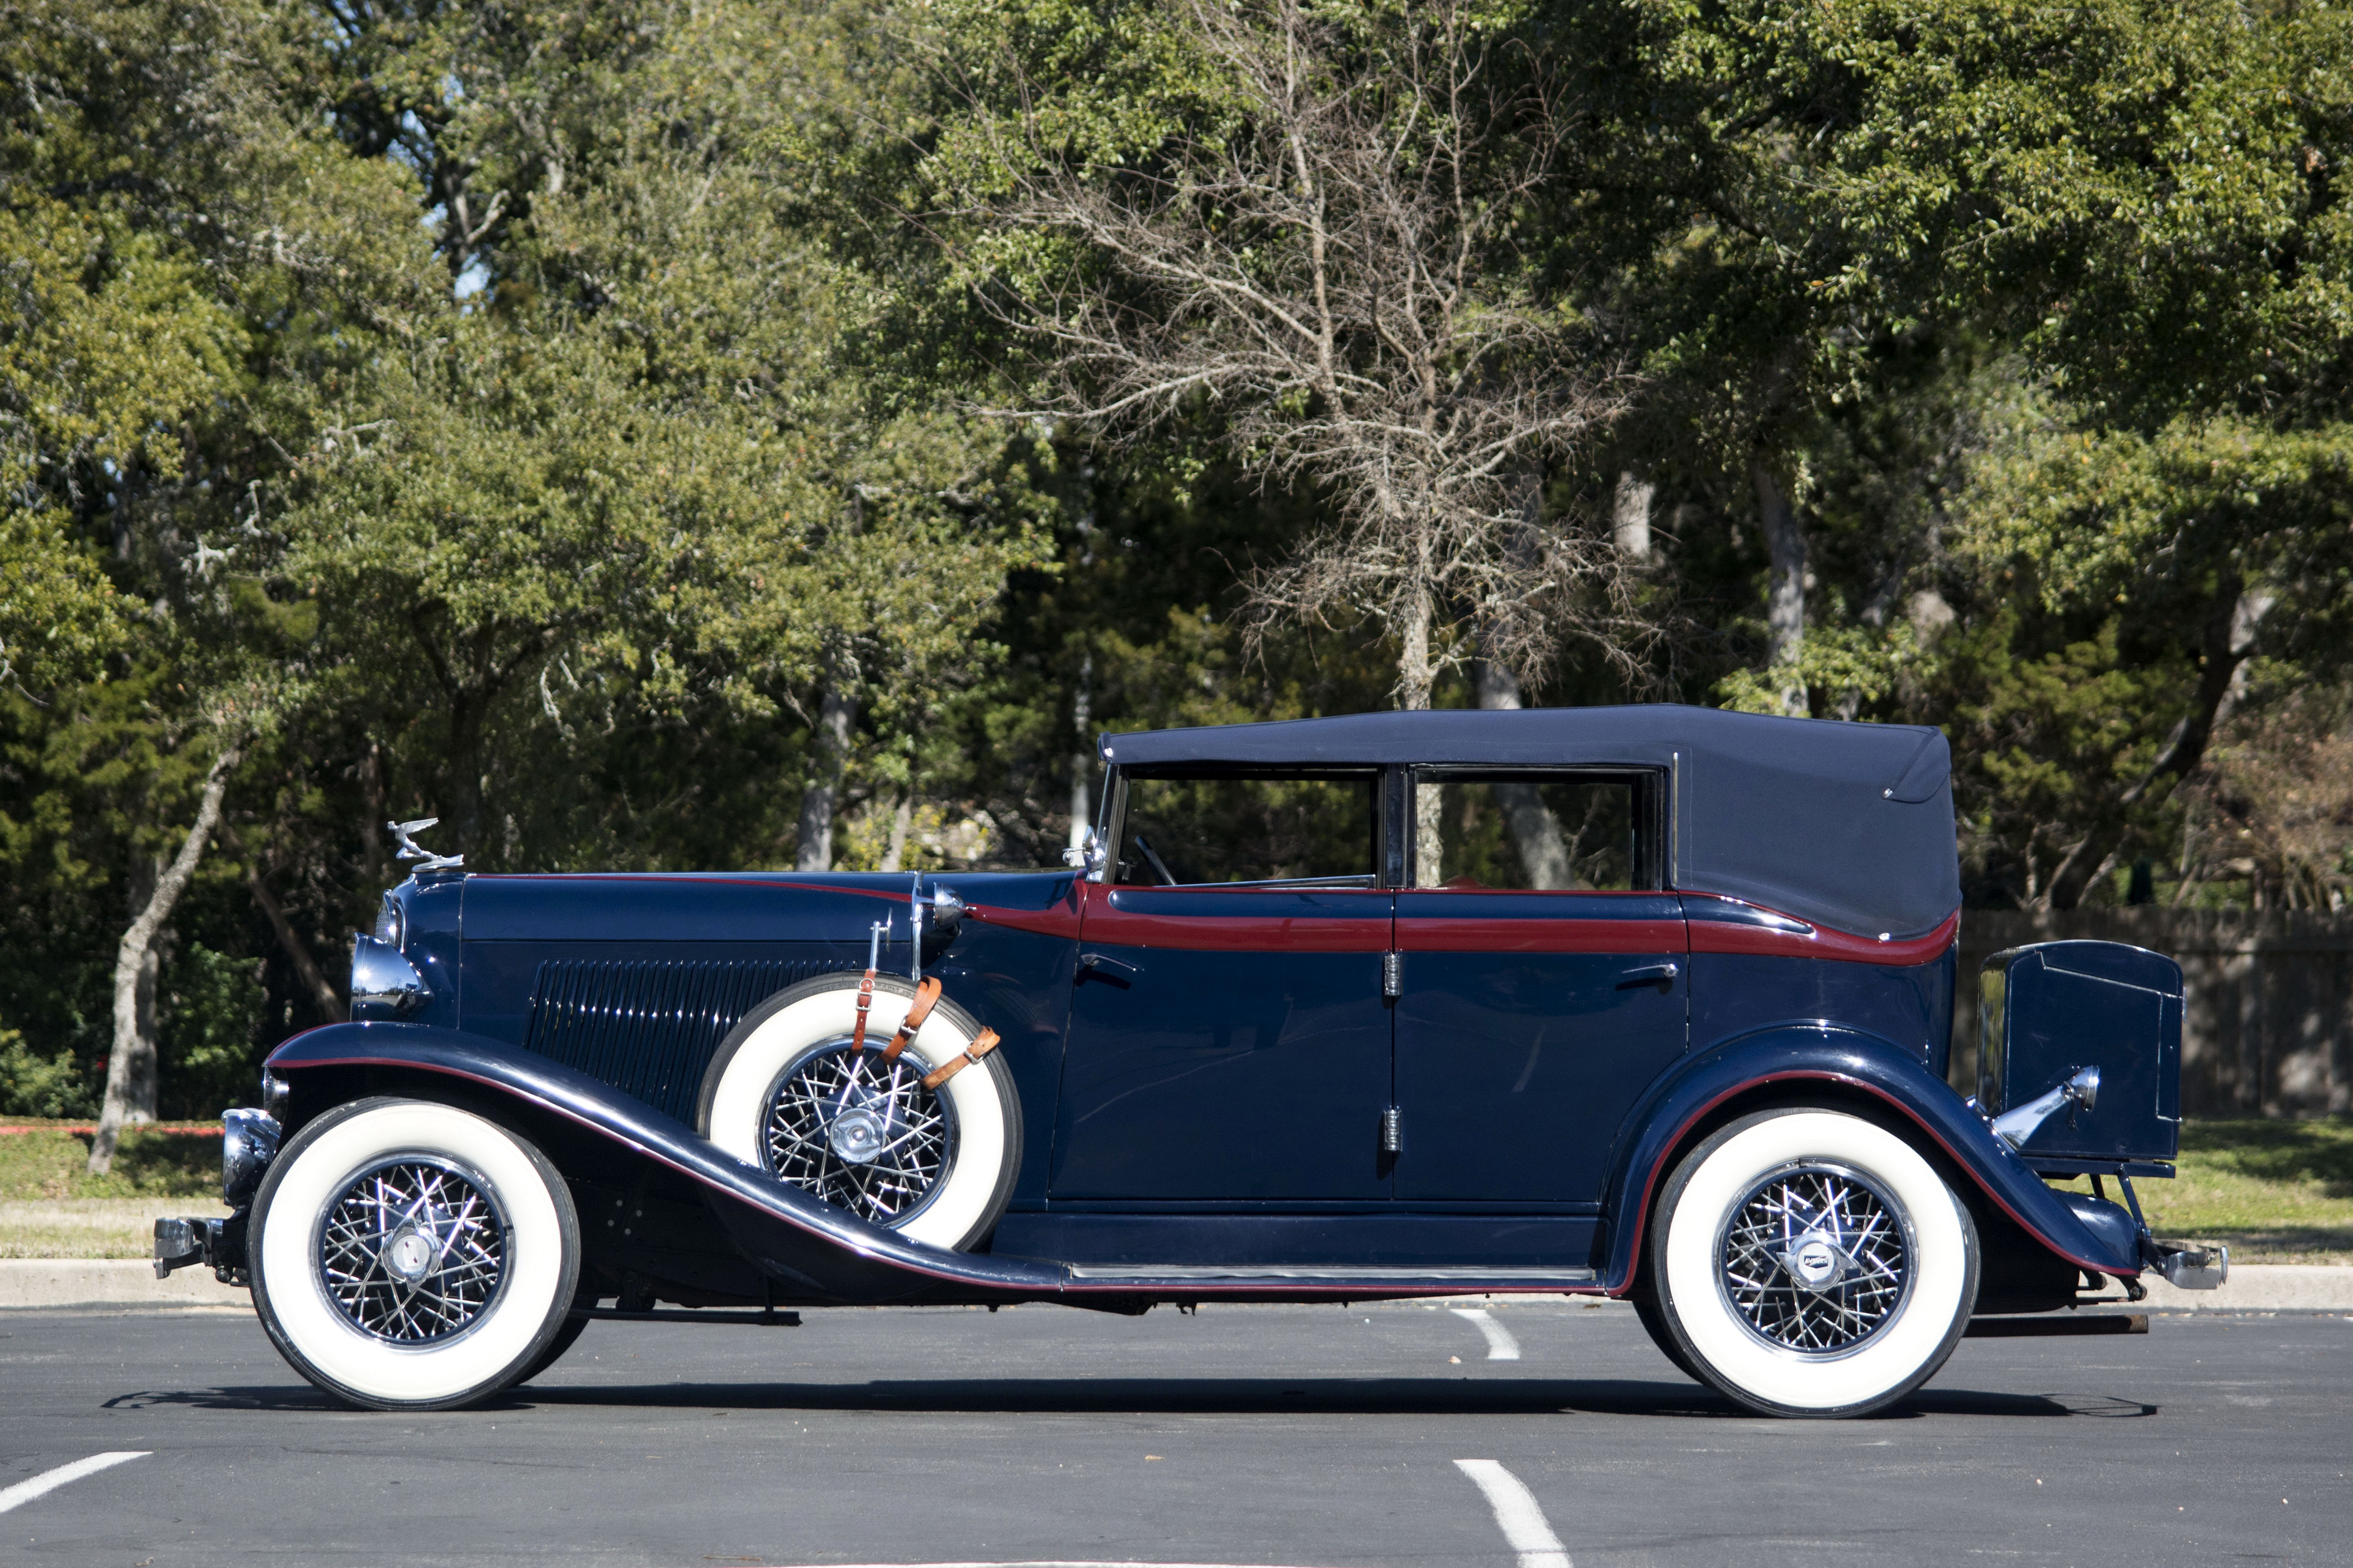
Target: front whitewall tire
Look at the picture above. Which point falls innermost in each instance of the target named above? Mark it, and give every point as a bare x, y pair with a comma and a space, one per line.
1690, 1252
540, 1262
972, 1192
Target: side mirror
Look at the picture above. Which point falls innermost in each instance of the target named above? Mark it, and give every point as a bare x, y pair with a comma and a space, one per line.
1091, 855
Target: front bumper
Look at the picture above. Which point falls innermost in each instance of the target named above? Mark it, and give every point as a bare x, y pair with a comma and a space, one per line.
216, 1244
249, 1143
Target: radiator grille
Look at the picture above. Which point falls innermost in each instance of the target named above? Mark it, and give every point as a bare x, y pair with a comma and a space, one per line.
648, 1027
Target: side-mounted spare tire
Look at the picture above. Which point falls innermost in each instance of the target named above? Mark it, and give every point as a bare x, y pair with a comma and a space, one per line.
787, 1092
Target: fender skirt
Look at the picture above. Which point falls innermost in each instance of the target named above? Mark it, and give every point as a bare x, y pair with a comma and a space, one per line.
2077, 1228
820, 1252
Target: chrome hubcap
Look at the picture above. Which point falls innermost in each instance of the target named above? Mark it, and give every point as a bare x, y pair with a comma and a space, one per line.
413, 1250
859, 1131
1816, 1260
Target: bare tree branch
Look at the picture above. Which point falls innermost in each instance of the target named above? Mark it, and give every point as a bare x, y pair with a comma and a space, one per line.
1326, 262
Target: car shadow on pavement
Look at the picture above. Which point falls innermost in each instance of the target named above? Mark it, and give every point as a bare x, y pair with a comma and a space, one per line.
1175, 1396
1249, 1397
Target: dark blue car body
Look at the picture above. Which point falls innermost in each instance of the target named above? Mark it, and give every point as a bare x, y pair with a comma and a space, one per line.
1267, 1091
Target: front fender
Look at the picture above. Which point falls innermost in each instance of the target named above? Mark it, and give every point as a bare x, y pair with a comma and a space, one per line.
1790, 1057
824, 1252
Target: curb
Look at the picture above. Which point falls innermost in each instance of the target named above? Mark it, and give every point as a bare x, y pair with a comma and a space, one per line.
115, 1282
2263, 1287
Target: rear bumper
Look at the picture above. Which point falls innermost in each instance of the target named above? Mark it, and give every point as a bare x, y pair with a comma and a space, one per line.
2187, 1267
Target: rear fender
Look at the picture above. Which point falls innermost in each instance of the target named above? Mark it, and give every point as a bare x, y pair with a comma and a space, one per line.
821, 1252
1775, 1066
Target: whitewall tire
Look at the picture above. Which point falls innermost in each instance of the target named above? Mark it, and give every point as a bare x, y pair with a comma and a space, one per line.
1808, 1262
408, 1255
786, 1094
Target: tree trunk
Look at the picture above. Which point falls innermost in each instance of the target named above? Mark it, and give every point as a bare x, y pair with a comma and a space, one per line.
139, 1094
1785, 603
135, 956
376, 791
1535, 831
1083, 758
314, 980
1415, 680
1630, 517
902, 819
2232, 627
837, 716
468, 714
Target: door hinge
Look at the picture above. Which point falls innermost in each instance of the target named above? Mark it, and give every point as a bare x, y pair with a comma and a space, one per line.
1392, 1131
1392, 976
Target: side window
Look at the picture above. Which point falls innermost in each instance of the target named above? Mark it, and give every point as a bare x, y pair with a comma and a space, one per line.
1186, 830
1556, 831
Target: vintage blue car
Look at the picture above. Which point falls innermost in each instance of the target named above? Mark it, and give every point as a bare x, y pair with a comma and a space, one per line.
1648, 1002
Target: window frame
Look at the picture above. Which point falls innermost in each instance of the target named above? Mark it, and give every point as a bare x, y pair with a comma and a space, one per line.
1388, 835
1652, 814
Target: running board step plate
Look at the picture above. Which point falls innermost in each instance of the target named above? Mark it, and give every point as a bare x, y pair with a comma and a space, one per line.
1317, 1274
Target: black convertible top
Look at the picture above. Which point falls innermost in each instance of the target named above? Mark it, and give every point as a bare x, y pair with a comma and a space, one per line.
1847, 825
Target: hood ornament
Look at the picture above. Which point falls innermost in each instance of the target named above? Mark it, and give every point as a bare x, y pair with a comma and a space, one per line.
409, 849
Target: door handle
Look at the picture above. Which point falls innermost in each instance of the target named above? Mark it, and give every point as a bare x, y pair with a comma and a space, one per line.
1103, 966
1662, 976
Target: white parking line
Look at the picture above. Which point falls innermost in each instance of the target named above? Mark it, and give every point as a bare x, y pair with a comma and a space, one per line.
1516, 1513
49, 1481
1500, 1346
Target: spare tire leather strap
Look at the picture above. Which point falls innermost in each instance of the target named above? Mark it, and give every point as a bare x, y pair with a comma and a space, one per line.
982, 1045
927, 996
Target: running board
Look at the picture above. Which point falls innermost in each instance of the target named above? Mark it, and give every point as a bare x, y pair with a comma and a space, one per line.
1256, 1274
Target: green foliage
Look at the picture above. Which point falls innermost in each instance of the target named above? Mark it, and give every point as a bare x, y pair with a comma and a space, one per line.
48, 1162
524, 416
35, 1085
211, 1008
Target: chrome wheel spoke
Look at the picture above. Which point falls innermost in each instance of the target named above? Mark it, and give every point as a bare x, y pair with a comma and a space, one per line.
1814, 1260
412, 1252
859, 1132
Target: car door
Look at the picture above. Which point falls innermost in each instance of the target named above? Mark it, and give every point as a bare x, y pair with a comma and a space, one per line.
1542, 981
1229, 1039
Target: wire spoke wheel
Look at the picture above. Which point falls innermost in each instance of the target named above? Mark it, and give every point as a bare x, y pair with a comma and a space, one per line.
414, 1250
859, 1131
1815, 1260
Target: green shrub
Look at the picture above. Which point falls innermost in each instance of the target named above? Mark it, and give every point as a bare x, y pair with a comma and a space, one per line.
211, 1020
34, 1085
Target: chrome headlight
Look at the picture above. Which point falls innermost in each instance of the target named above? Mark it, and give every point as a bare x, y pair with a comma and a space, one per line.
249, 1143
383, 983
392, 923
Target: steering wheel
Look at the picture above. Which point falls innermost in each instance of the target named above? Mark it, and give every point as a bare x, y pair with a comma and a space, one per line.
1159, 866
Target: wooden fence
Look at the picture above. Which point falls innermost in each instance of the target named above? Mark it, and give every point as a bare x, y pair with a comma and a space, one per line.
2268, 1023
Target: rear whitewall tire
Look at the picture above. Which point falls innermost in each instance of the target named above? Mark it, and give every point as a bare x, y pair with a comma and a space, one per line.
1692, 1253
739, 1086
506, 1336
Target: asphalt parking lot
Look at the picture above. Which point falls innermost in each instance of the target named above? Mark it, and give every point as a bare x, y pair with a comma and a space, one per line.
1258, 1435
